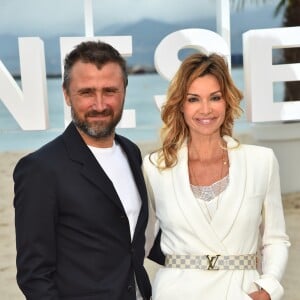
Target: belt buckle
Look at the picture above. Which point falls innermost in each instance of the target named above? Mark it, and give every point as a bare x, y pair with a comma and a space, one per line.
212, 260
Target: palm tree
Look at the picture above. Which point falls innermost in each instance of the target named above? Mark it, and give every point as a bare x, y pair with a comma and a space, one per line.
291, 17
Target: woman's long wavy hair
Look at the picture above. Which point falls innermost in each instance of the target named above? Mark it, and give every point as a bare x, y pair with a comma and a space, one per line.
175, 131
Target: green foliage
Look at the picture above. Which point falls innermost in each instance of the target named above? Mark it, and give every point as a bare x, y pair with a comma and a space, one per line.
282, 4
240, 4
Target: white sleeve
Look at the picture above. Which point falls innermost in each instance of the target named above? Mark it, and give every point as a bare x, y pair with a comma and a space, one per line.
275, 242
152, 226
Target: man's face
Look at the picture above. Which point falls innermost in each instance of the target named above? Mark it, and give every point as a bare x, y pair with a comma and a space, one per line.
96, 97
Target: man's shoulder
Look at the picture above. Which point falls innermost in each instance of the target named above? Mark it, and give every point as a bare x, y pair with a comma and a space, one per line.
47, 152
124, 141
50, 148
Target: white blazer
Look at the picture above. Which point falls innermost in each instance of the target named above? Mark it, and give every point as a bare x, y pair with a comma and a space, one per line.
249, 216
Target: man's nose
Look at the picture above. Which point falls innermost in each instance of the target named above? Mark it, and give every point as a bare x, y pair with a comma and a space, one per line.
99, 101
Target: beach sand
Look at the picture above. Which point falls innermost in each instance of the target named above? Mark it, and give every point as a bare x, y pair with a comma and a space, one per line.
9, 289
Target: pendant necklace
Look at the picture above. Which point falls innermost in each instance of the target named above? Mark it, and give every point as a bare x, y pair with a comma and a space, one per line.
208, 193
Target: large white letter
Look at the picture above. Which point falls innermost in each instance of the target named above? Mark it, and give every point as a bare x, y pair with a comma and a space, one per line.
123, 44
166, 54
260, 73
30, 107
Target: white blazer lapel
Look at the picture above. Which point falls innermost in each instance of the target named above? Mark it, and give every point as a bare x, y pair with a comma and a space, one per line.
231, 199
191, 211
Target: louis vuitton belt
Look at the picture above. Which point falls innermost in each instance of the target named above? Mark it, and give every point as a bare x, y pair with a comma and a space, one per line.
212, 262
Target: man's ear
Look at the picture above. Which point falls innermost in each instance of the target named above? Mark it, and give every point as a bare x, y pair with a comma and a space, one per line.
67, 98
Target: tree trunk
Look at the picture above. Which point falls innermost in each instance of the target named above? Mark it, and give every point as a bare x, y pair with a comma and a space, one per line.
292, 55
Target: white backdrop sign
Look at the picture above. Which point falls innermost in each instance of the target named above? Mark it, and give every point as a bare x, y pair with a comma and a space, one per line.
29, 105
260, 74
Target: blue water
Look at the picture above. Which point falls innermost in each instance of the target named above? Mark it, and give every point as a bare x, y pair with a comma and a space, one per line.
140, 96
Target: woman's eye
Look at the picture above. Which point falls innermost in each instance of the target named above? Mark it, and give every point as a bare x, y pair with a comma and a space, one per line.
216, 98
192, 99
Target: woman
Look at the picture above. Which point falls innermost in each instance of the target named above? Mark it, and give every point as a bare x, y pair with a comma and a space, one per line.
217, 202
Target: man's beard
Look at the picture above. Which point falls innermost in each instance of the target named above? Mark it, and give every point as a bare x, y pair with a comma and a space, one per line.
97, 129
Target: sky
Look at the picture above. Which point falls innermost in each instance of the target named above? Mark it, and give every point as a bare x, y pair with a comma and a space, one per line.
49, 17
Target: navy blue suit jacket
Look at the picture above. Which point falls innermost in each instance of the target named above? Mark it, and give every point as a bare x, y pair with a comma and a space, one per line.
72, 233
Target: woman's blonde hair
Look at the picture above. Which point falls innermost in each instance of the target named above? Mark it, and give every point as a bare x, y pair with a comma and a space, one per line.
175, 131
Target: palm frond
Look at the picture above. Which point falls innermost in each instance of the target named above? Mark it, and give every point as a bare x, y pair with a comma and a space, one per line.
281, 5
240, 4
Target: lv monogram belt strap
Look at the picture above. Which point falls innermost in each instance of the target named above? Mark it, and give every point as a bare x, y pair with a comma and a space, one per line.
212, 262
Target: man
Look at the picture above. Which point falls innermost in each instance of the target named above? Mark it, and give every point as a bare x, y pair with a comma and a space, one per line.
81, 201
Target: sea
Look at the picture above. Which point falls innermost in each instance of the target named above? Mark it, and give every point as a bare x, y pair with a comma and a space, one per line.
140, 96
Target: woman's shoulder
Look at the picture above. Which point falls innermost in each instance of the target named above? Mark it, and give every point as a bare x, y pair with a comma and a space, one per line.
234, 144
254, 153
258, 155
251, 148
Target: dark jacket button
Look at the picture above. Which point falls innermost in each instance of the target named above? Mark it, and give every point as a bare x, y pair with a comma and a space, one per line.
130, 288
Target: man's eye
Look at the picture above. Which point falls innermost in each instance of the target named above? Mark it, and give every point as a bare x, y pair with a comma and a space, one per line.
86, 93
111, 91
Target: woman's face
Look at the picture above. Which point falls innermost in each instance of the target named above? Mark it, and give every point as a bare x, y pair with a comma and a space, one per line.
204, 106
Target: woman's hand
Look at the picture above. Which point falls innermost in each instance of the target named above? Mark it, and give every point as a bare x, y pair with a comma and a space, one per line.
260, 295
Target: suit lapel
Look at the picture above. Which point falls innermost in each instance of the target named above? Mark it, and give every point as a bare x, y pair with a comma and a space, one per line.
91, 170
134, 159
231, 199
190, 209
213, 233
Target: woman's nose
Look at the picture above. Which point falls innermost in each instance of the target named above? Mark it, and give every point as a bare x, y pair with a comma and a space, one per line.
206, 107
